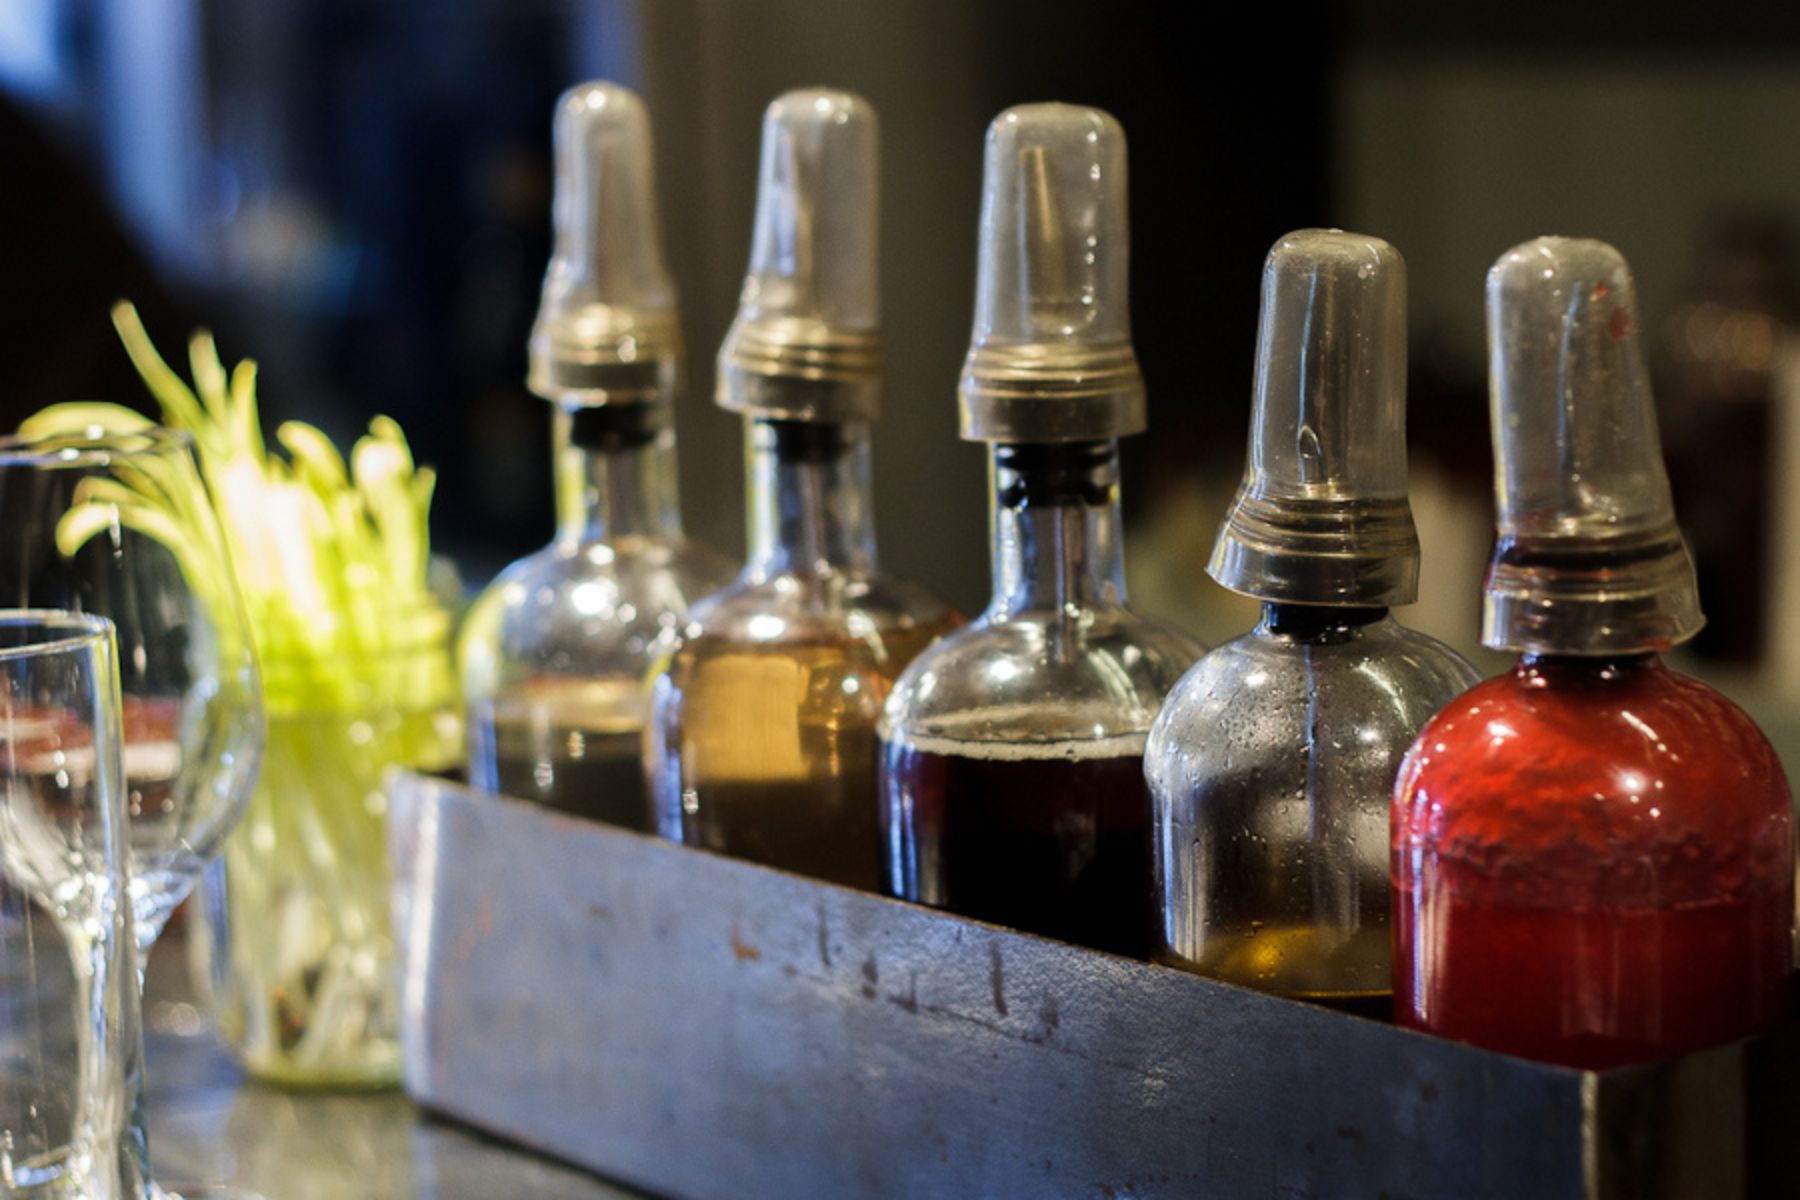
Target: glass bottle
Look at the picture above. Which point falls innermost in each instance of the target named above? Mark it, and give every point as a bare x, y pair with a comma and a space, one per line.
1272, 764
555, 652
762, 742
1593, 856
1012, 751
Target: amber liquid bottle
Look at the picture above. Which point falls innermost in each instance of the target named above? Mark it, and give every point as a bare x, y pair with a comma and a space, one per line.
763, 743
762, 735
1593, 856
1272, 764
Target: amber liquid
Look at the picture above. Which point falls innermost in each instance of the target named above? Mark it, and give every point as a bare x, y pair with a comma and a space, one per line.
1302, 962
1287, 931
772, 749
1048, 837
575, 745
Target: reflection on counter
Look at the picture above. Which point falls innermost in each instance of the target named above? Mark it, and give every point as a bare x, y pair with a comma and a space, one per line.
209, 1124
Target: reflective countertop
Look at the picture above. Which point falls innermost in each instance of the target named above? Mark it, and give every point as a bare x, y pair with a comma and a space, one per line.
208, 1124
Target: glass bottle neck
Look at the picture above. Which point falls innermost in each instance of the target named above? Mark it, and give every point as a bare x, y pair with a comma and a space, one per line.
1317, 622
615, 474
1577, 670
811, 505
1058, 545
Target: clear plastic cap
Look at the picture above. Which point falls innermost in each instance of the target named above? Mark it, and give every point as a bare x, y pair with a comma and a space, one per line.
1050, 356
1589, 558
806, 344
606, 329
1322, 515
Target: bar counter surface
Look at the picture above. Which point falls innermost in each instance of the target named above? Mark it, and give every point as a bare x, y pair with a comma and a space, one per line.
209, 1124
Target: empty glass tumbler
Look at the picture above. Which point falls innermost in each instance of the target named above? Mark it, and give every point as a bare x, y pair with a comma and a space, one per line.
70, 1046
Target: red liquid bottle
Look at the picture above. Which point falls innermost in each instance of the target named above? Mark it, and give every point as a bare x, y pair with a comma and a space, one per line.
1593, 856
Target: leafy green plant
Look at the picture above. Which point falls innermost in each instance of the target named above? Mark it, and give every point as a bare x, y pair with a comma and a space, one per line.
330, 557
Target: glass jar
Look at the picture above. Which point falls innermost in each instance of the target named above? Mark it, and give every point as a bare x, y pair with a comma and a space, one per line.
297, 944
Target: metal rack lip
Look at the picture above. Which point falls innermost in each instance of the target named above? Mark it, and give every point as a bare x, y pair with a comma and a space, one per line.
868, 1027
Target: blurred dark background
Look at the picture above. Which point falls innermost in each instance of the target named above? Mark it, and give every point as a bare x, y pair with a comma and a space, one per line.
356, 193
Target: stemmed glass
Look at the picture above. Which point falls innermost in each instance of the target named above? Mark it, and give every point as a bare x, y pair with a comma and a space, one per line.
75, 534
70, 1048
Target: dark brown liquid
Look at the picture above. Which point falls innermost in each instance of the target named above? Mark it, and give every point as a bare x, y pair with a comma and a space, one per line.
153, 762
602, 779
575, 746
1051, 838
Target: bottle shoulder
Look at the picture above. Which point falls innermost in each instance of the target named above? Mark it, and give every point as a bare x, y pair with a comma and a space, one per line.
583, 609
1031, 677
1659, 725
1397, 671
799, 605
1566, 778
1289, 713
693, 566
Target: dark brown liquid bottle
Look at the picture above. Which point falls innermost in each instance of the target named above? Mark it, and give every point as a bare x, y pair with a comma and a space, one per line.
571, 744
555, 651
1012, 767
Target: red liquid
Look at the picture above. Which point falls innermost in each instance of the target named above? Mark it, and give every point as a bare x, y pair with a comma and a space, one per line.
1593, 865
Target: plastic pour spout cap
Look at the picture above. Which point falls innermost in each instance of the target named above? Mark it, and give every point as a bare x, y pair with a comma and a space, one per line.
1322, 515
1050, 356
1589, 559
806, 344
606, 330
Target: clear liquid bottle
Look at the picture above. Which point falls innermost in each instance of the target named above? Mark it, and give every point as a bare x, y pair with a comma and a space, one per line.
1272, 764
1013, 750
762, 742
1593, 856
555, 652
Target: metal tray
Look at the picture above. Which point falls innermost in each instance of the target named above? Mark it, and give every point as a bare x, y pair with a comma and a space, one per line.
702, 1027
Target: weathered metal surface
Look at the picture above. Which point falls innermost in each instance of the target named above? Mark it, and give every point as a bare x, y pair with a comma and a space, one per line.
703, 1027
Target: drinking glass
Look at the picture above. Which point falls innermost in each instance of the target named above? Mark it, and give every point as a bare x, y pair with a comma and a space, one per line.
76, 534
70, 1049
192, 713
